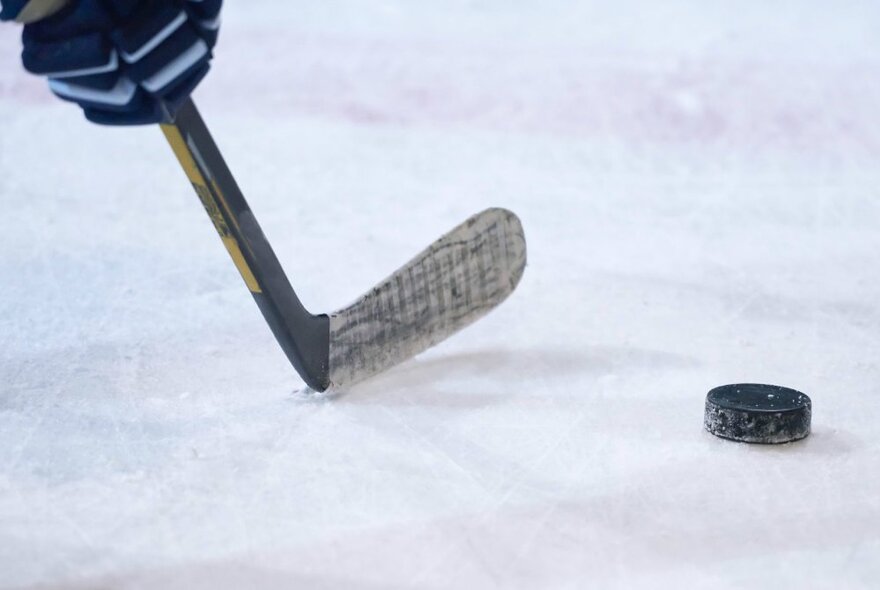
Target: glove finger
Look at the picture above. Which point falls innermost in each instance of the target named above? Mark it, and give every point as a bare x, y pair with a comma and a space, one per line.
204, 9
78, 19
207, 33
124, 96
147, 29
180, 90
94, 81
182, 68
175, 58
122, 9
77, 56
205, 17
147, 112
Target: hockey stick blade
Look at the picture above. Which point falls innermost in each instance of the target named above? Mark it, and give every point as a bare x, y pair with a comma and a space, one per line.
454, 282
459, 278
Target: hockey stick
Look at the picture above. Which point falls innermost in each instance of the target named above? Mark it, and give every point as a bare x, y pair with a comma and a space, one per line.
455, 281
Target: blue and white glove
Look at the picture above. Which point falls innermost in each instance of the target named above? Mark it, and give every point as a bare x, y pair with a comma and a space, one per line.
125, 62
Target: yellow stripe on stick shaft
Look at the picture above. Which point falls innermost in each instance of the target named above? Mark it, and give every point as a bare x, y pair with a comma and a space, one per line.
188, 163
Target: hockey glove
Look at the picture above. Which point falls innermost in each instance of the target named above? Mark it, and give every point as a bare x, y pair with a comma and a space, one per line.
125, 62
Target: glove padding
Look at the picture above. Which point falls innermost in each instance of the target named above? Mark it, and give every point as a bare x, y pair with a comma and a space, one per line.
125, 62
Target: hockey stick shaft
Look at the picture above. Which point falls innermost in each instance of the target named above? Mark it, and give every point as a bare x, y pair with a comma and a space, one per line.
303, 337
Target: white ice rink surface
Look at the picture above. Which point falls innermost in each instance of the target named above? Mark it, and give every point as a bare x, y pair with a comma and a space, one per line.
700, 187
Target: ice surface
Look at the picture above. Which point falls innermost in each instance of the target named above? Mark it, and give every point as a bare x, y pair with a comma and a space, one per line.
699, 185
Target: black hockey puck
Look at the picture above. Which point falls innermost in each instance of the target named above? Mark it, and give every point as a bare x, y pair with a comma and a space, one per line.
755, 413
